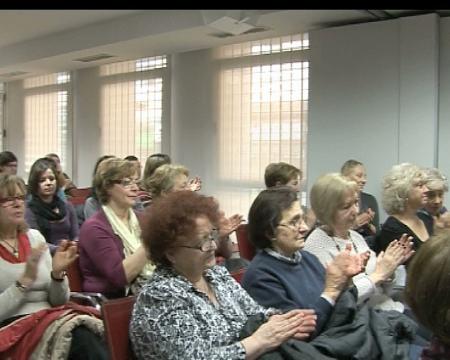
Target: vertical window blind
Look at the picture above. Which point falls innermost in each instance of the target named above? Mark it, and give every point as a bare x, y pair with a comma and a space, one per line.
263, 106
46, 112
132, 107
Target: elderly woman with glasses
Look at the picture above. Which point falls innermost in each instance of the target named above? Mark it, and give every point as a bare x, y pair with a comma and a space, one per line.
190, 308
112, 260
282, 275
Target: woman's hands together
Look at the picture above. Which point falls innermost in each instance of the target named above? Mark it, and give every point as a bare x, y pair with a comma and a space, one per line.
65, 254
298, 324
31, 266
343, 267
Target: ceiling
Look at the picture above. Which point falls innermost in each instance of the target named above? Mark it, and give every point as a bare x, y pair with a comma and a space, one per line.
35, 42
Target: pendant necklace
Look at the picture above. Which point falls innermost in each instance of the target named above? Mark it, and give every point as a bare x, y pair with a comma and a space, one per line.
14, 249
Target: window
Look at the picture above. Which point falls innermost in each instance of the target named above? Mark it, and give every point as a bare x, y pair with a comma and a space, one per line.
263, 107
132, 106
47, 102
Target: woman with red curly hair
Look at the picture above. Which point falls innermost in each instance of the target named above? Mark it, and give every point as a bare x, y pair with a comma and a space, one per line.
191, 308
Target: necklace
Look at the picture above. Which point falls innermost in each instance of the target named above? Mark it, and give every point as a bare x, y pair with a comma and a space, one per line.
351, 240
14, 249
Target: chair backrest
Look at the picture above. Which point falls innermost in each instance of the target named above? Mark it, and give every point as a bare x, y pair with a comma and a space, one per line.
116, 318
74, 276
238, 275
246, 248
80, 192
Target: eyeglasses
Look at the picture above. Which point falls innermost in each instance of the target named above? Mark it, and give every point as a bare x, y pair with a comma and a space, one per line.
10, 200
128, 182
293, 224
208, 244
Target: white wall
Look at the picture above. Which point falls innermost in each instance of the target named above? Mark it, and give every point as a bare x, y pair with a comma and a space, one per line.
374, 96
376, 92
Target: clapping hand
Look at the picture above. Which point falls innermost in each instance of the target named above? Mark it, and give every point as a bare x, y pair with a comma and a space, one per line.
31, 266
195, 184
65, 254
407, 244
228, 225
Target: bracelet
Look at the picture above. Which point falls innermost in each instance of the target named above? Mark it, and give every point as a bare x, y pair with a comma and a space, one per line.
57, 279
21, 286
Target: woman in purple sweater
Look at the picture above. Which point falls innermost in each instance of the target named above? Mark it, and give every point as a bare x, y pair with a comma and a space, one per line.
55, 218
112, 259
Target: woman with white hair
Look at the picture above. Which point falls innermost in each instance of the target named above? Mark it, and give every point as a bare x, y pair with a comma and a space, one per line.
335, 201
437, 186
404, 193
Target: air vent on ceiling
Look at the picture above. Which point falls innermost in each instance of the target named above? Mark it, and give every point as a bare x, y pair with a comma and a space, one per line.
13, 74
251, 31
94, 58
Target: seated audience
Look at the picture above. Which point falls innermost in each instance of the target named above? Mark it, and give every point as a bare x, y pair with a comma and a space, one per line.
334, 199
282, 275
55, 218
428, 294
437, 186
34, 291
8, 163
285, 276
404, 193
367, 221
190, 308
112, 260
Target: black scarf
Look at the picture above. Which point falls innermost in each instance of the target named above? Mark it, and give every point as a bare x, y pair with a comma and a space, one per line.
45, 213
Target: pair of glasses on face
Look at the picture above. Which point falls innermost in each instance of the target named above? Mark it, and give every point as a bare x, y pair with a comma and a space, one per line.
293, 224
128, 182
208, 243
11, 200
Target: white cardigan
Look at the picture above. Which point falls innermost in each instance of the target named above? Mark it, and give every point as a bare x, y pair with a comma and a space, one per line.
44, 292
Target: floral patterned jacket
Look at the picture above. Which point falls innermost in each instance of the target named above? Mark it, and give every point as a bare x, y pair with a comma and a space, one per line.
173, 320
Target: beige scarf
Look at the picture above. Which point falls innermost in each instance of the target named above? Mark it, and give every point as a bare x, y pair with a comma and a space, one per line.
130, 236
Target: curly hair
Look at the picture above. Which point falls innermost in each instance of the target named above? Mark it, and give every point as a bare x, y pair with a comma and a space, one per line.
435, 180
280, 174
163, 179
112, 170
8, 187
327, 196
427, 288
397, 184
266, 212
171, 220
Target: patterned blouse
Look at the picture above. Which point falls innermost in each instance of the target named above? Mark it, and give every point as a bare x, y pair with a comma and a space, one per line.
173, 320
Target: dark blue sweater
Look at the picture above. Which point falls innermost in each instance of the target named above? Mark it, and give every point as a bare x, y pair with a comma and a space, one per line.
276, 283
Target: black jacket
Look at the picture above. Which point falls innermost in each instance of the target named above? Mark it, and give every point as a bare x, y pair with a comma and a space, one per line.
351, 333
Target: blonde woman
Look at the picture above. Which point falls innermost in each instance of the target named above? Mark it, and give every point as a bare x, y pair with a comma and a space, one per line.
334, 199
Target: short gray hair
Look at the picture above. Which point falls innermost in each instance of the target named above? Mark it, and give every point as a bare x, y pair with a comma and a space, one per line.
327, 196
397, 184
435, 180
